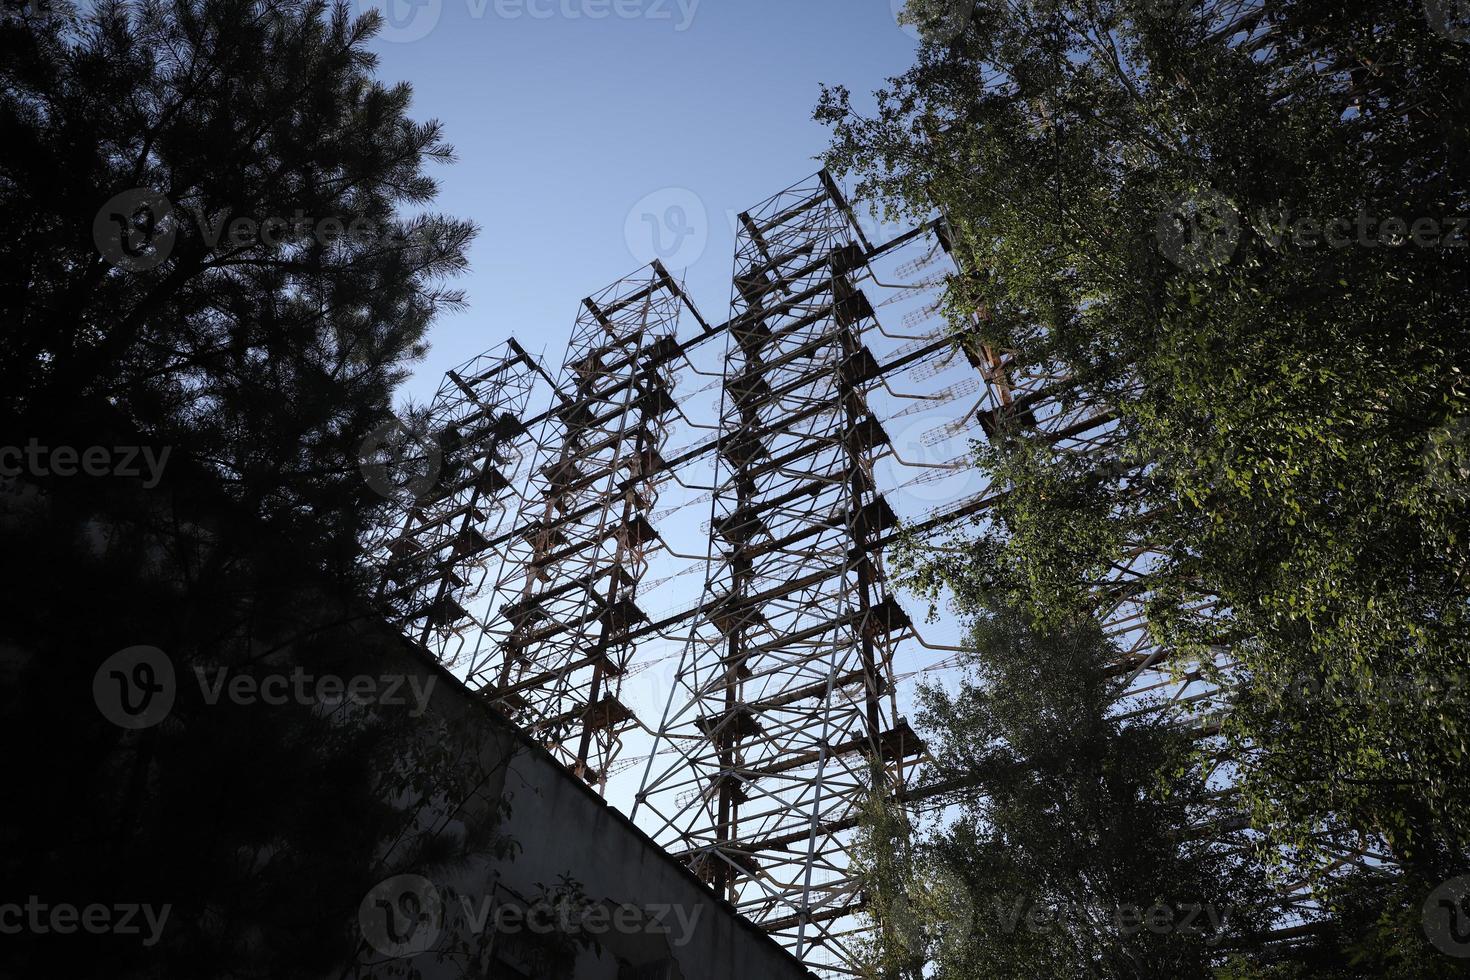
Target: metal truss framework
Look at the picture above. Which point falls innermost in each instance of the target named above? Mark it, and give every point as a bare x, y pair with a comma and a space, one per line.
561, 638
784, 712
438, 560
784, 716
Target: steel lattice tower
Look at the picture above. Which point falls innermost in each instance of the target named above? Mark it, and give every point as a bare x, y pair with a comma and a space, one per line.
470, 450
561, 640
557, 581
784, 715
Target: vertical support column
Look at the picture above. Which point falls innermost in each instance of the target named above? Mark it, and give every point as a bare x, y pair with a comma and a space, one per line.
784, 719
473, 448
568, 591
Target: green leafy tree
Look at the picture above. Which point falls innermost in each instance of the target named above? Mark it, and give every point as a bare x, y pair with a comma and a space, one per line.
1204, 216
1079, 840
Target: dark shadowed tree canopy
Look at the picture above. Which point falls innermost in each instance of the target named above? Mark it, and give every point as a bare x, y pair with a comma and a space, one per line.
216, 231
215, 248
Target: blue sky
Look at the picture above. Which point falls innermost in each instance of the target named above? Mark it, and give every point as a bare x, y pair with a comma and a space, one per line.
582, 137
588, 146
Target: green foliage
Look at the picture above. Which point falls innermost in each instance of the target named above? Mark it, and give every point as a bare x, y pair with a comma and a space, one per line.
1290, 411
1077, 843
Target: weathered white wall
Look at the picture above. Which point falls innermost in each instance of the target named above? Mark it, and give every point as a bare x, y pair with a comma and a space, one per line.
563, 828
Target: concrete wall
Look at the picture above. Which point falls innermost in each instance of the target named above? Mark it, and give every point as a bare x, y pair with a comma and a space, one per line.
419, 885
640, 915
